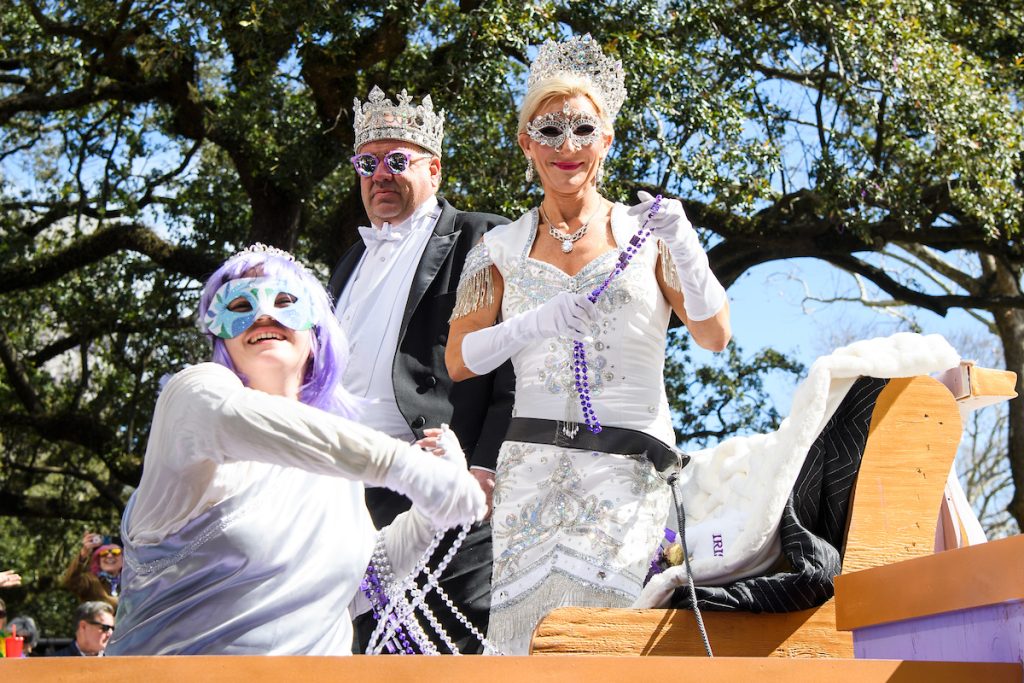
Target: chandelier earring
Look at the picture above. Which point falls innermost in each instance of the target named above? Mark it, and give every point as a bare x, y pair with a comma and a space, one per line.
529, 169
599, 176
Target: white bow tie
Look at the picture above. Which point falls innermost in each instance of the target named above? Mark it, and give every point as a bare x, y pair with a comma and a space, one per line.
386, 233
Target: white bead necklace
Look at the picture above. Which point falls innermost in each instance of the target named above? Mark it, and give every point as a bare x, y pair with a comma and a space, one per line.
405, 598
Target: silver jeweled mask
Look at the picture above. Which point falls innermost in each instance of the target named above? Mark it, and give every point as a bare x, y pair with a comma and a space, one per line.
553, 129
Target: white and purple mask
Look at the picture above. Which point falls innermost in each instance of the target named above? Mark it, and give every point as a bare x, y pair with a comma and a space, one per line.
237, 304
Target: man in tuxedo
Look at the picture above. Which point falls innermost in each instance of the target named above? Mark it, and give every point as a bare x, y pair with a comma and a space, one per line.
395, 291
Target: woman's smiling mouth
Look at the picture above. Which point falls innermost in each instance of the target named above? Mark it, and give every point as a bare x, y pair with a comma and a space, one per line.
264, 336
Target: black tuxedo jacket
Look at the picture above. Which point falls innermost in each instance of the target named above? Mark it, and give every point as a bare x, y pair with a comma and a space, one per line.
477, 409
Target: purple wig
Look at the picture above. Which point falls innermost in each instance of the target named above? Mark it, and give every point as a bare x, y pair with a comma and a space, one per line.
321, 386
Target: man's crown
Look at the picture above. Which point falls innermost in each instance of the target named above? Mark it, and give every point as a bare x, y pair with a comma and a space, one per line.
581, 56
379, 119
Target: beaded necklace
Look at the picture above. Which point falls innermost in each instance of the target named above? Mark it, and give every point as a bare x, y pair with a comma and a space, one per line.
395, 604
579, 355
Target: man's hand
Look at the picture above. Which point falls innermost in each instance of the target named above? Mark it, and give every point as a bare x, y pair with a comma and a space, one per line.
486, 480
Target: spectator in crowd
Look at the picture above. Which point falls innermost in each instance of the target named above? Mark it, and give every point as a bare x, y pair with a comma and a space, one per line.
26, 628
94, 624
3, 615
95, 572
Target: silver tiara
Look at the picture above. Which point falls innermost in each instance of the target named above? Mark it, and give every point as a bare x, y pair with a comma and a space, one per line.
581, 56
260, 248
379, 119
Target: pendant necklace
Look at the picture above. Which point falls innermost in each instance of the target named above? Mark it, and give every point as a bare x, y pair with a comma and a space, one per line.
568, 239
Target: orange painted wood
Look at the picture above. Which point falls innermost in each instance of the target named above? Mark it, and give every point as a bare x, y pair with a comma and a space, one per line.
912, 441
494, 670
988, 387
632, 632
978, 386
913, 438
963, 578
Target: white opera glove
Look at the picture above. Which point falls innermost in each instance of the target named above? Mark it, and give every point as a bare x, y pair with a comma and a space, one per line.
444, 491
703, 294
563, 315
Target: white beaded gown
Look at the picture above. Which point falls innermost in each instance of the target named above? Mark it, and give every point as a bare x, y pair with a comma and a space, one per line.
575, 527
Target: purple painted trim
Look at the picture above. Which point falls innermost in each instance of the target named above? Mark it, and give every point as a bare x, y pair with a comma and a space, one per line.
992, 633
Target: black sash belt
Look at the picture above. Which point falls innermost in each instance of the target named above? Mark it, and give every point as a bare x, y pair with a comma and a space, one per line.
610, 440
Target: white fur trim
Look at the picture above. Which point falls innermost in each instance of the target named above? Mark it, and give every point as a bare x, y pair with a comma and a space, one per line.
738, 489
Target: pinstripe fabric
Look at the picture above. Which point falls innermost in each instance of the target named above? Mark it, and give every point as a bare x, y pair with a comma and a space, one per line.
813, 521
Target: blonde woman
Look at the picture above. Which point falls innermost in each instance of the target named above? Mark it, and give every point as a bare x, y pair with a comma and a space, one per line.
579, 506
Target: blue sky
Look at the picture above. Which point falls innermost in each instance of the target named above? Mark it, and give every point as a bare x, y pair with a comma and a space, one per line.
768, 309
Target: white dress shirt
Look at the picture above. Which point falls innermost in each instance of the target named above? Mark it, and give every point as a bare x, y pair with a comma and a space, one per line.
370, 310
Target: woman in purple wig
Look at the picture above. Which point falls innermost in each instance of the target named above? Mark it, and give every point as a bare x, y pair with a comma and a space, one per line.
248, 533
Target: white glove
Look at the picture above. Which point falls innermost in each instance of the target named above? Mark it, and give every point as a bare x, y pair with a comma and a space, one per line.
563, 315
444, 491
703, 294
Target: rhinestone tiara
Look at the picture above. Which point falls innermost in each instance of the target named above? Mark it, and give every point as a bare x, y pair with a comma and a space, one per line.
260, 248
581, 56
379, 119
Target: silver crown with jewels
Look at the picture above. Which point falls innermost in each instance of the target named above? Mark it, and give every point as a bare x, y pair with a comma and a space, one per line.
379, 119
581, 56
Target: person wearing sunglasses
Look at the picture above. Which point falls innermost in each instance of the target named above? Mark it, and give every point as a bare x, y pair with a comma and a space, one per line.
94, 626
395, 290
95, 571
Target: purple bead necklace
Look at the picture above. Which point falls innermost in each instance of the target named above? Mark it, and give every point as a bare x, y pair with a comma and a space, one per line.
579, 354
374, 591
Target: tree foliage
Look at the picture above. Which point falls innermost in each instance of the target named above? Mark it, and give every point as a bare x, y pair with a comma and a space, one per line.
711, 402
141, 141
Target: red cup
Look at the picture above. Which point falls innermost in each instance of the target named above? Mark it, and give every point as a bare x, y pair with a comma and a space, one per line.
14, 645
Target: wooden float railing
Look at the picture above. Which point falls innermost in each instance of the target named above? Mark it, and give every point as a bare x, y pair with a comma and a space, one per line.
494, 670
